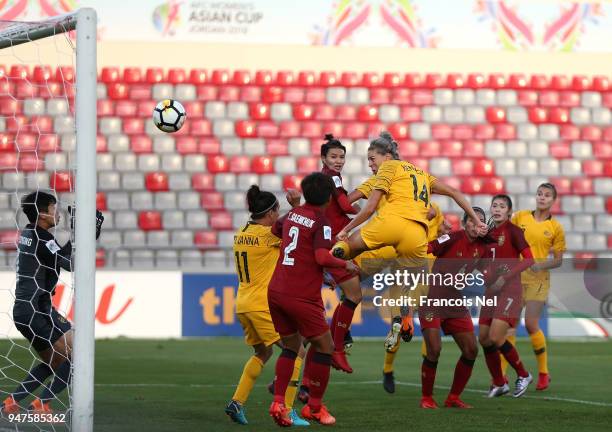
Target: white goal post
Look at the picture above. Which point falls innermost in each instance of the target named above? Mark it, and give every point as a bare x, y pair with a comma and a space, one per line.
84, 21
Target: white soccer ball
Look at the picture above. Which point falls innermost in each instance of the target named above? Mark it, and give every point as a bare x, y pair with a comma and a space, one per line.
169, 115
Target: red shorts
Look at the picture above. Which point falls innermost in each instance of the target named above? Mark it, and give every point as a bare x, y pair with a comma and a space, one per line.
508, 308
292, 315
340, 274
449, 325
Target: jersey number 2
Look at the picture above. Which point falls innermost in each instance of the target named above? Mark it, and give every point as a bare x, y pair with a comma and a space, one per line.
294, 233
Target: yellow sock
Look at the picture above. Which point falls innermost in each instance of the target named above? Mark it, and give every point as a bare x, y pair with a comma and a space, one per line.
538, 341
252, 369
293, 383
424, 348
504, 363
345, 249
389, 358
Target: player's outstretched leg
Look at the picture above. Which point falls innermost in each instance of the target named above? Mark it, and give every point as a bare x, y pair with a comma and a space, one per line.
344, 317
388, 377
492, 358
37, 375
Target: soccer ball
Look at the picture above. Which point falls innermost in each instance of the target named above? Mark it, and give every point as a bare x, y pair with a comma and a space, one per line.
169, 115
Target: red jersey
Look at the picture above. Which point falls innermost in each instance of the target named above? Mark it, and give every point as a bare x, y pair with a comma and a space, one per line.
335, 213
509, 242
298, 275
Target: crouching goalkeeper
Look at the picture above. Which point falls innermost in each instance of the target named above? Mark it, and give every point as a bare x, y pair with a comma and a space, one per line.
39, 262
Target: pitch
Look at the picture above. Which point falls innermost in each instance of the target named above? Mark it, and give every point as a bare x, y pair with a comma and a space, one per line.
183, 385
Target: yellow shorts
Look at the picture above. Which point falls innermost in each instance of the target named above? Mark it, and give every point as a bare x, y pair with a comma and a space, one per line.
258, 328
408, 237
373, 261
536, 290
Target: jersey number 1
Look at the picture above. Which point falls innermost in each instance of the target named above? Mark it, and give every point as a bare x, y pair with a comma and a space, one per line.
246, 266
294, 233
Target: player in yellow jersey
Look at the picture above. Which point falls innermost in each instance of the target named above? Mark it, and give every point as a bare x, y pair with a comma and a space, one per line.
256, 252
545, 235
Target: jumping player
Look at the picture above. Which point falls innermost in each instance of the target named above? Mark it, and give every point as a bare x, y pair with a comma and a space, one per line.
294, 296
40, 260
503, 283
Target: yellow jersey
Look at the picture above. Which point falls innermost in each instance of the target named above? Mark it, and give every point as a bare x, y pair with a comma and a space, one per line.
256, 251
542, 237
407, 189
435, 223
367, 187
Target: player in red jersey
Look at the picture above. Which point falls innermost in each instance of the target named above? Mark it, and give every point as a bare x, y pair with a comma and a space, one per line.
458, 252
294, 297
504, 285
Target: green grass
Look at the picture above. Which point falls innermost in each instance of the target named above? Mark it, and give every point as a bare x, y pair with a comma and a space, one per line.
183, 385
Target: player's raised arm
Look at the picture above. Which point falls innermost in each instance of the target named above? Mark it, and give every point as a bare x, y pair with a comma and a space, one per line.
363, 215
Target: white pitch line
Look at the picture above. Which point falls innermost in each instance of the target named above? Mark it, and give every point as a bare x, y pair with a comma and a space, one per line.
401, 383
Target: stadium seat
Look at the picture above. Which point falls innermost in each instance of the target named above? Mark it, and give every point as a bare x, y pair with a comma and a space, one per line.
217, 164
62, 181
205, 239
221, 220
240, 164
156, 181
262, 165
149, 220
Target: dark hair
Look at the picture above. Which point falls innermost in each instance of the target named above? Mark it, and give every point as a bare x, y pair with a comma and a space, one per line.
505, 198
260, 202
331, 143
385, 144
476, 210
551, 187
36, 202
317, 188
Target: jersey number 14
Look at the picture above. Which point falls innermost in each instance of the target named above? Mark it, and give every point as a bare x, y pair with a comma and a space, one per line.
424, 195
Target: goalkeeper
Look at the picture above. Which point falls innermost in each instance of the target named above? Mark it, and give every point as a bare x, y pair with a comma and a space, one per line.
39, 262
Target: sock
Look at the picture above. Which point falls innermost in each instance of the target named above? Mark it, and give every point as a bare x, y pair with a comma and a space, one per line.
345, 311
512, 355
293, 384
252, 369
494, 364
37, 375
538, 342
463, 372
284, 370
334, 320
389, 358
504, 362
306, 375
428, 376
423, 349
59, 383
345, 248
319, 377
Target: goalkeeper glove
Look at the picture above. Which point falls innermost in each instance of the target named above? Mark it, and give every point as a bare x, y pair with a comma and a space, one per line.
99, 220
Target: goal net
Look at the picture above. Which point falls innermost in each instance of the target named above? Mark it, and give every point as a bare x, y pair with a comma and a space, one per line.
47, 144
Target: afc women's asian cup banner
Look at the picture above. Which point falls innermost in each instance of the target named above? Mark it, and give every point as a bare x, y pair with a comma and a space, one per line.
516, 25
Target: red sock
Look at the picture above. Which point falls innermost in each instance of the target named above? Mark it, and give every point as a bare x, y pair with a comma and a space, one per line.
428, 376
343, 317
494, 365
463, 372
512, 356
284, 370
319, 368
307, 363
334, 320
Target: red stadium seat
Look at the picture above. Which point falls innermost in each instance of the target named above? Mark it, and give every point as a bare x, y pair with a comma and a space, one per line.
463, 132
30, 162
220, 77
140, 144
105, 108
117, 91
259, 111
307, 164
346, 113
241, 78
205, 239
7, 143
527, 98
285, 78
380, 96
26, 142
476, 81
324, 112
240, 164
610, 241
303, 112
203, 182
410, 114
471, 185
483, 168
276, 147
334, 128
217, 164
290, 129
602, 150
451, 148
569, 132
19, 72
591, 133
198, 127
505, 132
211, 200
176, 76
401, 96
454, 221
61, 181
408, 148
493, 186
569, 99
267, 129
581, 83
272, 95
609, 204
133, 126
64, 74
370, 79
198, 76
156, 181
132, 75
560, 82
392, 79
8, 239
607, 134
315, 95
473, 148
312, 129
186, 145
48, 143
582, 186
367, 113
229, 94
462, 167
399, 131
607, 168
414, 80
601, 83
421, 97
264, 78
25, 90
549, 98
558, 115
328, 79
194, 109
374, 129
455, 81
292, 181
429, 149
109, 75
250, 94
497, 81
562, 184
538, 115
441, 131
307, 79
421, 163
14, 124
100, 258
150, 221
433, 81
8, 161
220, 220
539, 82
41, 74
209, 146
593, 168
263, 164
349, 79
101, 201
154, 75
355, 130
144, 108
496, 115
518, 81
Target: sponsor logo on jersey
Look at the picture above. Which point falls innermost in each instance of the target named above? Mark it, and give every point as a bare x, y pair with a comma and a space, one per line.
443, 238
501, 240
52, 246
327, 232
337, 181
547, 233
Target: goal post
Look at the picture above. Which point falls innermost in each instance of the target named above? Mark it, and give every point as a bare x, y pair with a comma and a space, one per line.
83, 166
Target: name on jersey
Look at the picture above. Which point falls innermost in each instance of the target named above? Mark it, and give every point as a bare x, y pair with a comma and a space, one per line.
301, 220
26, 241
409, 167
246, 240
